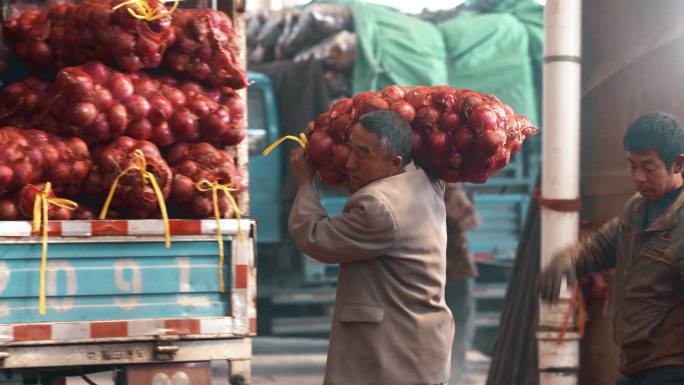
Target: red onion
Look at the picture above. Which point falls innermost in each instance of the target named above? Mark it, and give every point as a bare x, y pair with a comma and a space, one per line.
427, 117
439, 142
463, 139
393, 93
331, 176
120, 86
340, 152
6, 176
341, 107
404, 109
82, 114
418, 147
319, 147
339, 128
182, 189
371, 104
9, 210
140, 129
184, 125
450, 121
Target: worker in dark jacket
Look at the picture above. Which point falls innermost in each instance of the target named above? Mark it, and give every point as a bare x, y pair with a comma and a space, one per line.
646, 246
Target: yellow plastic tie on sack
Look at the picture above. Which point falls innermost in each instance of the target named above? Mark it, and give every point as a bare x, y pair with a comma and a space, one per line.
140, 165
143, 10
204, 186
40, 218
301, 140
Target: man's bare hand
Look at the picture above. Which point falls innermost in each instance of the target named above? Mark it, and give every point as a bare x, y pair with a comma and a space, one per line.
301, 166
562, 265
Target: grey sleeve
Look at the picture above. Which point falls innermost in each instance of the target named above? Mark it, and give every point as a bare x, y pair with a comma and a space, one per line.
365, 230
598, 252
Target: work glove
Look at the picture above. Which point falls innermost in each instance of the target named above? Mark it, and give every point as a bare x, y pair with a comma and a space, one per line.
562, 265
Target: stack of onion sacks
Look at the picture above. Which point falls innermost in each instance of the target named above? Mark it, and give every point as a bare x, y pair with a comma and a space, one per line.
192, 163
73, 34
34, 156
133, 196
458, 135
206, 49
97, 104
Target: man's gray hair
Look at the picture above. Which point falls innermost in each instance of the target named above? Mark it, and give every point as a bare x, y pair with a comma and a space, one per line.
394, 132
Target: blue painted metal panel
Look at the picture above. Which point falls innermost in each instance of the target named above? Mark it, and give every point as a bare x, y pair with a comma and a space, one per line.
117, 249
502, 218
264, 171
109, 281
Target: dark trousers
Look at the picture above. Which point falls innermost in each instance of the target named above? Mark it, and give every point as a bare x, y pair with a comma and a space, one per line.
659, 376
459, 298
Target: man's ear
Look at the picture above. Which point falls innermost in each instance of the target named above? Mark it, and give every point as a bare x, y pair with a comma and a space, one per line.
678, 164
397, 163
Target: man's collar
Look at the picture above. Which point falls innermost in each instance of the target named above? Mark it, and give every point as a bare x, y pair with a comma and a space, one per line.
669, 218
410, 166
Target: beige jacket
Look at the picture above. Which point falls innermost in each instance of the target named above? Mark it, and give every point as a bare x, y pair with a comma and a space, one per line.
390, 324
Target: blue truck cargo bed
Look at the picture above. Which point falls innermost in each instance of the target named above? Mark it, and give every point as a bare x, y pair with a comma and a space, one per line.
115, 293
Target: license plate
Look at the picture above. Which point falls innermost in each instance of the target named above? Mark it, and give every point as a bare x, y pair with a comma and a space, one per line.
187, 373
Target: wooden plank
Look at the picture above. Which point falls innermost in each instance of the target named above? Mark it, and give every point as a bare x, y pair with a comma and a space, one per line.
107, 250
558, 378
235, 9
105, 308
237, 13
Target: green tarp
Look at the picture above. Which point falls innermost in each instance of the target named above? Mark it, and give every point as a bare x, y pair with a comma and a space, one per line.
488, 52
498, 51
394, 48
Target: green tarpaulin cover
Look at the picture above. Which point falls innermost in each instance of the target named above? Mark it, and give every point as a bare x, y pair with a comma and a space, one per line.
489, 53
498, 51
395, 48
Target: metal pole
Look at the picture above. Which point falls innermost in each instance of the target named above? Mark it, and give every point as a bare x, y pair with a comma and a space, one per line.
558, 364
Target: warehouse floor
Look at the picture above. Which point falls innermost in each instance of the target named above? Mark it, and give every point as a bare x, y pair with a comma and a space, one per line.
299, 361
296, 361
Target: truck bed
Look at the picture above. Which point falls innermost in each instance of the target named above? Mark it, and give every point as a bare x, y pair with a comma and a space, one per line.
116, 294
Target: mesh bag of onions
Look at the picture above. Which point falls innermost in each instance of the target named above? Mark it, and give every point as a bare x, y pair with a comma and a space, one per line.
34, 156
26, 199
206, 49
133, 196
458, 135
97, 104
192, 163
73, 34
20, 206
